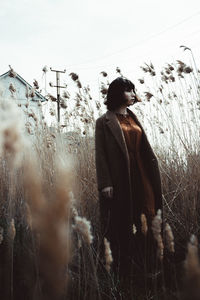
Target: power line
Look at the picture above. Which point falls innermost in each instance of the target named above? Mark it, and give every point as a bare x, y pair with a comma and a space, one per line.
127, 59
152, 36
138, 43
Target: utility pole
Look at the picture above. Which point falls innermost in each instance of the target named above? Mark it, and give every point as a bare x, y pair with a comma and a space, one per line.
58, 86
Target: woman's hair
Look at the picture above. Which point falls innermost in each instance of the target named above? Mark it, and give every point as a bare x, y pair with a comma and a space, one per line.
115, 94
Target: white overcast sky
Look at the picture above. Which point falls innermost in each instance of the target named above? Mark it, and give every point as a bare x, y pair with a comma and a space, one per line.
89, 36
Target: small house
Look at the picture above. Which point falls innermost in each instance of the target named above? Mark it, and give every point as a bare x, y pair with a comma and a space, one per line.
15, 88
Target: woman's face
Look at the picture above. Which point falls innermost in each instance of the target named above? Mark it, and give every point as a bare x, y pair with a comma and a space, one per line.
129, 96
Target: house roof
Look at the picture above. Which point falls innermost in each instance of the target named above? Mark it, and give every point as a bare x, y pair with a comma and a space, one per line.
25, 83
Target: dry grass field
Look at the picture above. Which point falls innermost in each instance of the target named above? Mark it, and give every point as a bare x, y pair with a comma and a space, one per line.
50, 237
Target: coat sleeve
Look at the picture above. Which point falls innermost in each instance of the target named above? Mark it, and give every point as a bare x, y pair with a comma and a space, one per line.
102, 169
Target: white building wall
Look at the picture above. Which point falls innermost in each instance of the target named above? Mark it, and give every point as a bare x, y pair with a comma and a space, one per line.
28, 105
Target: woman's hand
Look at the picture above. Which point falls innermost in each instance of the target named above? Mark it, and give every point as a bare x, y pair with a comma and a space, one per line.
107, 191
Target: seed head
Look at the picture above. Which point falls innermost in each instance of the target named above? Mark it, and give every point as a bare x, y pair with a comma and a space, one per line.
12, 89
144, 224
192, 269
63, 103
187, 70
141, 81
45, 69
12, 73
171, 68
51, 97
66, 95
104, 90
74, 76
172, 78
32, 93
83, 226
104, 74
156, 229
134, 229
169, 238
118, 70
12, 230
148, 96
108, 255
79, 84
36, 85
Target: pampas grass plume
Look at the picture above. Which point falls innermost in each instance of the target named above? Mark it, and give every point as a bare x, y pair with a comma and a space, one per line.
144, 224
134, 229
83, 227
12, 230
156, 229
108, 255
169, 237
192, 271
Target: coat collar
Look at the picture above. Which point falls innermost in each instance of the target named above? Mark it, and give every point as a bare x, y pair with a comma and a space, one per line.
114, 125
112, 116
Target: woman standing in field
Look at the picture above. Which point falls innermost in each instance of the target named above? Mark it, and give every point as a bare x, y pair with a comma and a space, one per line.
128, 180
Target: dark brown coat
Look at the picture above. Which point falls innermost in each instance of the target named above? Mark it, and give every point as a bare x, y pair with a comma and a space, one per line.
113, 169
